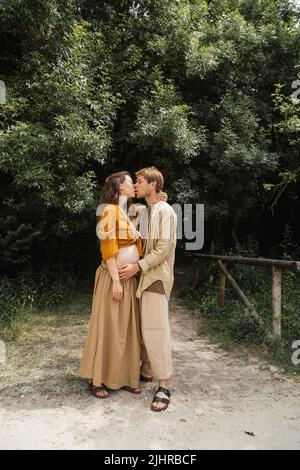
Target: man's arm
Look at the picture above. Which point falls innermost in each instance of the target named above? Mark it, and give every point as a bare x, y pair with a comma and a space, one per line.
156, 256
162, 248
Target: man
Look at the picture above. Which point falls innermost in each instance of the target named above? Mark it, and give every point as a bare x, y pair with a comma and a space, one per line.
155, 284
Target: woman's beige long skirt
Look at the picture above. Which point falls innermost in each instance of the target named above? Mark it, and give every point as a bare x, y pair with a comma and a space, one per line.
111, 354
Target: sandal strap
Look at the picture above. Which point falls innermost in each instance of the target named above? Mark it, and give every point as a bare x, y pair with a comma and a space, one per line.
160, 400
94, 389
164, 390
100, 392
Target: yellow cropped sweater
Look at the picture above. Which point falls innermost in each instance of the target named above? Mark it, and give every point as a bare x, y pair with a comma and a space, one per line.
115, 232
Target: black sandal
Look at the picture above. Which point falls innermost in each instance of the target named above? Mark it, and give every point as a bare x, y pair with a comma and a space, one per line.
157, 399
94, 390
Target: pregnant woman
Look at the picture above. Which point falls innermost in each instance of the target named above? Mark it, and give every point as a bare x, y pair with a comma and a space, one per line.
111, 356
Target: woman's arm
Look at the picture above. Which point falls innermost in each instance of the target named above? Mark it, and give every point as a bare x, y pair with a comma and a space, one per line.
107, 232
114, 274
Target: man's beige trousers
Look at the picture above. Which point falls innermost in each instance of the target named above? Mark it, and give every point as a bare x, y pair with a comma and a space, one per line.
156, 338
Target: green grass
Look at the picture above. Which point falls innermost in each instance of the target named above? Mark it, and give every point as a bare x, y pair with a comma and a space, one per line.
29, 299
234, 325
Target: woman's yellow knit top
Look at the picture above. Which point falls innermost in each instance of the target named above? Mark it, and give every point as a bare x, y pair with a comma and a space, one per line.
115, 231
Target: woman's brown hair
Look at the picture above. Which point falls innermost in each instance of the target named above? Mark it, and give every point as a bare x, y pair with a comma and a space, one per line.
111, 189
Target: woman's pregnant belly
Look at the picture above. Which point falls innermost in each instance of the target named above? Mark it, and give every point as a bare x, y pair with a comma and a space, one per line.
128, 254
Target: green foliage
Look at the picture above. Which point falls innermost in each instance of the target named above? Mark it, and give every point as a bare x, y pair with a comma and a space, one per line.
202, 89
55, 130
288, 127
163, 122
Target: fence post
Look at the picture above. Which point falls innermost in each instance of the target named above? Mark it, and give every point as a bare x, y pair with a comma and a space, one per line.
276, 302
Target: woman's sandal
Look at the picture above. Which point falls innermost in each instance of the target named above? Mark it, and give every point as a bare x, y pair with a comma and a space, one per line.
95, 390
157, 399
137, 391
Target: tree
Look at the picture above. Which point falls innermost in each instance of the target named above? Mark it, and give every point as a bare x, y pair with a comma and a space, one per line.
191, 86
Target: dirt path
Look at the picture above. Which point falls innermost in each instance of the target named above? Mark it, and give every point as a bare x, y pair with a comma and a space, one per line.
217, 397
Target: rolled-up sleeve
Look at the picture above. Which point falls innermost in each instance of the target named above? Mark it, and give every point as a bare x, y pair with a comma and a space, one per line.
107, 232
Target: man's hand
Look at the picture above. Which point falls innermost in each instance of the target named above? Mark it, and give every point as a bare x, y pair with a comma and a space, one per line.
126, 271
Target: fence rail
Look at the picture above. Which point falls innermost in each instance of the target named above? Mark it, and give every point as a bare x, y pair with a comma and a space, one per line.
221, 263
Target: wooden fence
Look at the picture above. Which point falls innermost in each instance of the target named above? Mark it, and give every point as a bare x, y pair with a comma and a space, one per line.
221, 263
